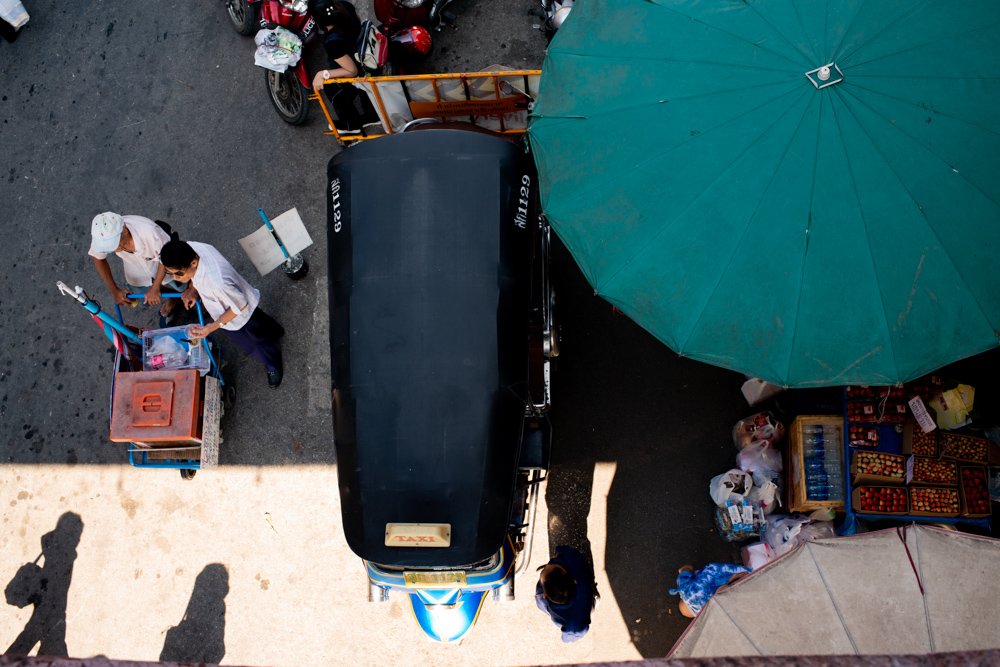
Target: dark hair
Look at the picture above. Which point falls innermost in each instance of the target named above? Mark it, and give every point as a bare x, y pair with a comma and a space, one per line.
176, 254
559, 586
340, 14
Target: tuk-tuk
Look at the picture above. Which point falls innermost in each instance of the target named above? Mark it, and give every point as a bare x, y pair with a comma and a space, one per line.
441, 339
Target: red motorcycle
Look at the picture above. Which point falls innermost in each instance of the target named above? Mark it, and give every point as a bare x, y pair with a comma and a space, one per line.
289, 90
397, 14
243, 14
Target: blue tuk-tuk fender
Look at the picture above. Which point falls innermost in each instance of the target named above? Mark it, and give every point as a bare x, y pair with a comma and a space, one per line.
448, 622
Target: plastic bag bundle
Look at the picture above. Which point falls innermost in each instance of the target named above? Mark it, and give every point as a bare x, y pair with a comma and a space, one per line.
760, 427
277, 49
759, 456
735, 483
784, 533
740, 520
171, 349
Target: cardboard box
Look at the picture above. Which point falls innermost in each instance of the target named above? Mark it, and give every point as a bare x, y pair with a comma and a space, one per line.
915, 441
893, 468
975, 477
963, 447
860, 493
833, 429
930, 471
934, 494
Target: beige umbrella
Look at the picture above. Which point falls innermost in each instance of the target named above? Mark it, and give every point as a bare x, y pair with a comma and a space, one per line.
908, 590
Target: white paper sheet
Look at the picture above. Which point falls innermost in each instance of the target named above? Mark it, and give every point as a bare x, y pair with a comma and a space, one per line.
263, 250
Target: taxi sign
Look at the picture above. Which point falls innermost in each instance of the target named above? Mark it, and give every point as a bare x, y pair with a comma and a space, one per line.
418, 535
434, 579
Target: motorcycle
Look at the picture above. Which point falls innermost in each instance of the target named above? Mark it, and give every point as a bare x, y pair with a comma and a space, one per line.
289, 90
396, 14
555, 12
290, 86
244, 15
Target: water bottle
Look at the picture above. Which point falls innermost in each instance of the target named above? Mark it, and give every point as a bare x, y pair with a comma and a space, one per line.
819, 492
817, 445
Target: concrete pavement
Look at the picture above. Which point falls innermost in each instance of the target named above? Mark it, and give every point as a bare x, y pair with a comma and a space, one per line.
156, 109
265, 543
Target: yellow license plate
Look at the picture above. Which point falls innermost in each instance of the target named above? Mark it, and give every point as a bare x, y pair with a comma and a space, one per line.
434, 579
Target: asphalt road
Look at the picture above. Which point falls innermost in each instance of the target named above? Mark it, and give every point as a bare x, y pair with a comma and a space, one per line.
156, 109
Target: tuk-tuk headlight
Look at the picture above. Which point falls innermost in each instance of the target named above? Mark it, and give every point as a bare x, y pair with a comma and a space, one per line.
297, 6
409, 4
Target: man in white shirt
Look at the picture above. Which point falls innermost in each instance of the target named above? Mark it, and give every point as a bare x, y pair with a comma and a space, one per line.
137, 241
229, 299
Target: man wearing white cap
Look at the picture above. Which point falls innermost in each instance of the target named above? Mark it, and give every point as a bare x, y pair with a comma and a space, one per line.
137, 240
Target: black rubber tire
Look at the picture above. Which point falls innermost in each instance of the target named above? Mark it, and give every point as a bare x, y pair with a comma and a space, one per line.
302, 272
188, 474
243, 15
287, 95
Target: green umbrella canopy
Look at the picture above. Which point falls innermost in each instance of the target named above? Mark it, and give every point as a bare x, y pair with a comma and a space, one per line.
808, 228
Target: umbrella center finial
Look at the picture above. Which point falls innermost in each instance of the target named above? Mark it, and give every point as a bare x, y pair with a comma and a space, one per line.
824, 76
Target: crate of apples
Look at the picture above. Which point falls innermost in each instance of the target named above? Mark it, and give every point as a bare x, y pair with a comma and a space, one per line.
878, 467
922, 470
924, 444
975, 492
934, 501
963, 447
880, 499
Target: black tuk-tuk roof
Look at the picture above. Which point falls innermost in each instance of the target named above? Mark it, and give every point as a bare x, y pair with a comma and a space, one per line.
429, 248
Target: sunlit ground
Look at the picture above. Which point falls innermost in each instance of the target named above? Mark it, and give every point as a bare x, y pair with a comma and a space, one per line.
293, 593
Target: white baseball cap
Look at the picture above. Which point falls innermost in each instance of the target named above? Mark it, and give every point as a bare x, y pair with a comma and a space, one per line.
106, 232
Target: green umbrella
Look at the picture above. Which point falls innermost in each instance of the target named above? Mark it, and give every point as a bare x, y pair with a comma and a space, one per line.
806, 192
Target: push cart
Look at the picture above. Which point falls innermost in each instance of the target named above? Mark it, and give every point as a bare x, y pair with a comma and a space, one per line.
170, 419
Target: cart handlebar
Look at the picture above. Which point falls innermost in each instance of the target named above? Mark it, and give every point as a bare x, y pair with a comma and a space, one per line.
77, 293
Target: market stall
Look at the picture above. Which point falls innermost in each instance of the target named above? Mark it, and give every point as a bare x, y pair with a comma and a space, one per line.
885, 457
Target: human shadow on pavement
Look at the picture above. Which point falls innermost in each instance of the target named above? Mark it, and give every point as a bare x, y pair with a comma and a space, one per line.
567, 497
201, 634
47, 588
665, 421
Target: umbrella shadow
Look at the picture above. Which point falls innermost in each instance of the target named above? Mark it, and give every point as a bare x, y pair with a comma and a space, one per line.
46, 587
666, 423
201, 634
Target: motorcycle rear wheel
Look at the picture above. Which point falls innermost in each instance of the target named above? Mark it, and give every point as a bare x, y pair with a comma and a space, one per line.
243, 14
287, 96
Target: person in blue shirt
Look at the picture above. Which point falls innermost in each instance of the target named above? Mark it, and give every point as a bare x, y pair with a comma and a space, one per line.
566, 591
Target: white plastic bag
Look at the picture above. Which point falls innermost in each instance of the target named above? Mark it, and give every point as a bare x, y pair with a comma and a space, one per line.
757, 427
165, 352
757, 555
759, 456
767, 496
735, 483
784, 533
277, 49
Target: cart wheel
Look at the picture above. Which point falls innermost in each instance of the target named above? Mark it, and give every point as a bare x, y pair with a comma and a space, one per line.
228, 397
296, 267
188, 474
